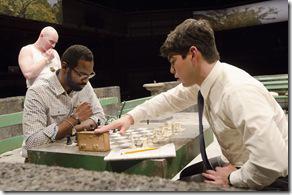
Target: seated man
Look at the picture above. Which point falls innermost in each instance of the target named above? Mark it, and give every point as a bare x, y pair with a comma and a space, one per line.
64, 101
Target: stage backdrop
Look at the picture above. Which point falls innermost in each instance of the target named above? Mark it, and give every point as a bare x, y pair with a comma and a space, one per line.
41, 10
247, 15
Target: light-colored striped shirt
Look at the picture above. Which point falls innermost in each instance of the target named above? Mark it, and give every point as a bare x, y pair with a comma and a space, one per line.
250, 126
47, 104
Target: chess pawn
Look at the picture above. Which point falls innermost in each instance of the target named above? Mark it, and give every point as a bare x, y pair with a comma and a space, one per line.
155, 139
138, 141
132, 140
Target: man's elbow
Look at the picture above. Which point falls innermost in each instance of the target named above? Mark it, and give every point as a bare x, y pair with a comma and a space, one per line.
32, 142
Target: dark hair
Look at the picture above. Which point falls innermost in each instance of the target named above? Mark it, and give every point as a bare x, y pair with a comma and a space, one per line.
189, 33
75, 53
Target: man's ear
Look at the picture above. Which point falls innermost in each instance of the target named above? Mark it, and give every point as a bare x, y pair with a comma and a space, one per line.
193, 51
64, 65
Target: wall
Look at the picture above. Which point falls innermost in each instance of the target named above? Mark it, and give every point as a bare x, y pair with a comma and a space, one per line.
126, 46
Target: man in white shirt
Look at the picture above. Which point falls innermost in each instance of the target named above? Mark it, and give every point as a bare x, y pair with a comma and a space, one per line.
40, 60
249, 124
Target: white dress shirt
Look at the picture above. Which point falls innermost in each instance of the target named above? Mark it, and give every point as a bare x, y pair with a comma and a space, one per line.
249, 124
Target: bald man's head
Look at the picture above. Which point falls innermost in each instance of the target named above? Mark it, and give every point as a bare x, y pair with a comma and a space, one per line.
48, 38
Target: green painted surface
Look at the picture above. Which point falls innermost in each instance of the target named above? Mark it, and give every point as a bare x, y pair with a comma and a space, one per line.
277, 87
166, 168
10, 143
277, 82
272, 77
108, 101
130, 104
11, 119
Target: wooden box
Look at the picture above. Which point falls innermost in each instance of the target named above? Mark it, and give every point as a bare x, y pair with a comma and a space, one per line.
88, 141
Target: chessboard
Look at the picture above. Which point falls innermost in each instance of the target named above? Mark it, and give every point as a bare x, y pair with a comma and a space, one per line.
145, 136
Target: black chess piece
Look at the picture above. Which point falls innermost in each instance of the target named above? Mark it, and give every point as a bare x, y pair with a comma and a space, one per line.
68, 140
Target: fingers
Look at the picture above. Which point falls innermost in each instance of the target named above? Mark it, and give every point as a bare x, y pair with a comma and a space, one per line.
209, 176
50, 54
105, 128
122, 124
84, 111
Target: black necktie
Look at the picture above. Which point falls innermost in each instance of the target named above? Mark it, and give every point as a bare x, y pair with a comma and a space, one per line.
202, 141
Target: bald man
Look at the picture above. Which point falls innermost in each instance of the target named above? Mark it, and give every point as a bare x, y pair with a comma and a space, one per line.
39, 60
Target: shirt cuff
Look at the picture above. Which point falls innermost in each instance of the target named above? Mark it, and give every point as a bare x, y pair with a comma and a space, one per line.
51, 131
235, 179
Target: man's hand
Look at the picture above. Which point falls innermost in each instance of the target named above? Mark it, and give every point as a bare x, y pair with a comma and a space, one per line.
88, 125
122, 124
220, 175
83, 111
49, 55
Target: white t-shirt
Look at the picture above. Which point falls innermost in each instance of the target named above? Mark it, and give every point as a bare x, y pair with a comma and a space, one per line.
48, 70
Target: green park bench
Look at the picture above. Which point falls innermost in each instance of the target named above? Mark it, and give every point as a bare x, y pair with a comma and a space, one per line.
128, 105
11, 119
278, 83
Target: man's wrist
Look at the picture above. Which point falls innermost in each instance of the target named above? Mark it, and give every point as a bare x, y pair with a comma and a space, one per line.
131, 119
76, 118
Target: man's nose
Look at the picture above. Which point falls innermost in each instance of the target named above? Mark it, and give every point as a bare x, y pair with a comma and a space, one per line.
85, 79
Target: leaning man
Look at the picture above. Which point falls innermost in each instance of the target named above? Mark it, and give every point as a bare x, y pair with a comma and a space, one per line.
63, 102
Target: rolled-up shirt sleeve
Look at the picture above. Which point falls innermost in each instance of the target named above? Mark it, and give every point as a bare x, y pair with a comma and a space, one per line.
166, 103
35, 129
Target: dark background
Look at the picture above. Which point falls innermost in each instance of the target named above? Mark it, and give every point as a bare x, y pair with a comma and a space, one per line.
125, 37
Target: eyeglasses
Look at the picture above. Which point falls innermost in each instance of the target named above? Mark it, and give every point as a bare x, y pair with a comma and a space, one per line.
83, 75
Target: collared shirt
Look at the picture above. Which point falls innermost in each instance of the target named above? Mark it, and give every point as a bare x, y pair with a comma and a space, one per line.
47, 104
250, 126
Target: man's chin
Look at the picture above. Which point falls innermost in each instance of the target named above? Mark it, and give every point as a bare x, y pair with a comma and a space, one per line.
185, 84
77, 88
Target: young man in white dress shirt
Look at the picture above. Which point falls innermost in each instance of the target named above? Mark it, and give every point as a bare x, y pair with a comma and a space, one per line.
249, 124
40, 60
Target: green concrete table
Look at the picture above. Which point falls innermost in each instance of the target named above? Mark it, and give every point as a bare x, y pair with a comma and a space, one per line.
186, 144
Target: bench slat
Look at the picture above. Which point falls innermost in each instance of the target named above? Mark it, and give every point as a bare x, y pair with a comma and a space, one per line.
278, 82
10, 143
130, 104
272, 77
11, 119
108, 101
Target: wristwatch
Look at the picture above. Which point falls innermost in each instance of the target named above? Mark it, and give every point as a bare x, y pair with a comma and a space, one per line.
76, 119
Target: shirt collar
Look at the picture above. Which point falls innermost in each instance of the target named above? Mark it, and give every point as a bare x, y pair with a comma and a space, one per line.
210, 79
56, 85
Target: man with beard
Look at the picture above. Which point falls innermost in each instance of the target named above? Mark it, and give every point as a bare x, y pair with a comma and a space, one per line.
62, 102
40, 60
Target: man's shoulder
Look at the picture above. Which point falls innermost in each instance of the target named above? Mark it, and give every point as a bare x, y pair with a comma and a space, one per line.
28, 47
40, 85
